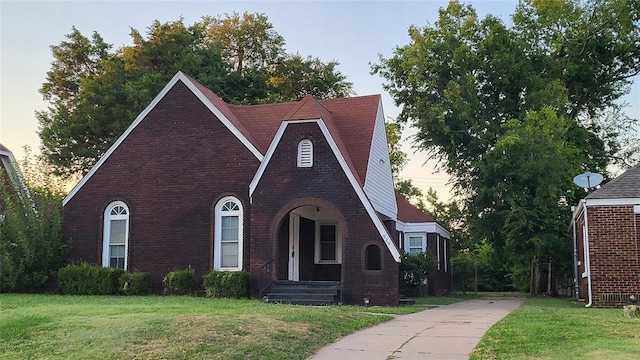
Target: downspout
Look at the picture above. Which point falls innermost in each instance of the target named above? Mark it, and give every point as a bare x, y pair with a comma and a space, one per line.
576, 286
587, 265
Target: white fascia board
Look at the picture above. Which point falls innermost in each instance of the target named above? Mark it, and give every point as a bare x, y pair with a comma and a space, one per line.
428, 227
612, 202
221, 116
361, 195
179, 76
343, 164
267, 158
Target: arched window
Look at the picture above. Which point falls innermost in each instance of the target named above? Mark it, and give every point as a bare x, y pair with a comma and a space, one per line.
305, 153
115, 239
372, 258
227, 248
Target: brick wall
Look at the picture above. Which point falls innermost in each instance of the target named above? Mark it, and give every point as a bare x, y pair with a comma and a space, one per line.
614, 254
284, 187
441, 282
170, 171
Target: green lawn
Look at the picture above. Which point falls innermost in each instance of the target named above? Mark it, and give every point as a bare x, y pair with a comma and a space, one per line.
154, 327
547, 328
168, 327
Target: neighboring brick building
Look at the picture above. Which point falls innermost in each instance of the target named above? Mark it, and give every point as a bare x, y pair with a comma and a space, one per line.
11, 180
606, 235
303, 189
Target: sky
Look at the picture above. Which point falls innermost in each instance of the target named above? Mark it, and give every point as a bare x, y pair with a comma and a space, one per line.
351, 32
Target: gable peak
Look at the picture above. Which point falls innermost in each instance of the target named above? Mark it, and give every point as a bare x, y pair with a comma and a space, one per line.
308, 108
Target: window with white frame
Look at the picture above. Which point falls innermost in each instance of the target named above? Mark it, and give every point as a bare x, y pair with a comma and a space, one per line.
328, 244
115, 239
228, 235
305, 153
415, 243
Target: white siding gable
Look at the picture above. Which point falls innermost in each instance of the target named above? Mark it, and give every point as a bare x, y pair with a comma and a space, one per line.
378, 184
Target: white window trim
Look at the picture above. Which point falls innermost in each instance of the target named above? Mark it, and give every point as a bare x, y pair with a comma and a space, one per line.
438, 248
106, 234
305, 161
444, 250
407, 241
217, 252
338, 259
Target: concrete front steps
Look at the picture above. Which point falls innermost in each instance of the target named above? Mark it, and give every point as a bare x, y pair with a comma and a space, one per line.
304, 292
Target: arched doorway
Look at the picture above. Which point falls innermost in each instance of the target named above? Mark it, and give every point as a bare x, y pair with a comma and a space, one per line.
310, 244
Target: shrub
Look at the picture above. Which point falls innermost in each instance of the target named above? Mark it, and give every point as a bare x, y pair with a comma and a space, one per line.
416, 268
180, 282
228, 284
631, 311
86, 279
31, 247
135, 283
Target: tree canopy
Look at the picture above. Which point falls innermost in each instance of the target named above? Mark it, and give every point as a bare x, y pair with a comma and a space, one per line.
514, 112
94, 92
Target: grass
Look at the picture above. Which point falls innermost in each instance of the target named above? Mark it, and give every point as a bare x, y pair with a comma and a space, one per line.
548, 328
155, 327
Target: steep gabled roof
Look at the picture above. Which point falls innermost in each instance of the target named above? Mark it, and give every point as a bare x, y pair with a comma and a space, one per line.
224, 109
210, 100
256, 125
626, 185
352, 117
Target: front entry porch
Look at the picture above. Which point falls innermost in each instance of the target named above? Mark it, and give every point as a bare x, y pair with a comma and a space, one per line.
309, 246
308, 263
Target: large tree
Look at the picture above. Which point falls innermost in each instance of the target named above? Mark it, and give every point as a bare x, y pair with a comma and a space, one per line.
292, 77
249, 40
476, 89
94, 93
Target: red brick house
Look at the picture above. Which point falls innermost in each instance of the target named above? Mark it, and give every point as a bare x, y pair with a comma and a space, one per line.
419, 232
298, 192
606, 235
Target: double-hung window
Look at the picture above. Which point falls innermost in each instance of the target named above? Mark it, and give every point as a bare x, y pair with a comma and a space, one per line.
328, 246
415, 243
228, 235
115, 240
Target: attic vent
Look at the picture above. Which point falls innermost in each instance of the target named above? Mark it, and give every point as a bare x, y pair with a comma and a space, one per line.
305, 153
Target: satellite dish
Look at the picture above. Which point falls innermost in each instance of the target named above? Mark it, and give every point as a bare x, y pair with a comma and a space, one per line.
588, 180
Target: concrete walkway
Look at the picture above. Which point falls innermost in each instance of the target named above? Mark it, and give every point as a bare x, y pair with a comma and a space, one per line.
446, 332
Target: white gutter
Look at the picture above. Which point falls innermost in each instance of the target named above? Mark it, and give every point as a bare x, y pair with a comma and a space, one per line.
587, 260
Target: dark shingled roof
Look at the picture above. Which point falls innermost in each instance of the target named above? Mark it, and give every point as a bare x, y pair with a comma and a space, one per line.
626, 185
407, 212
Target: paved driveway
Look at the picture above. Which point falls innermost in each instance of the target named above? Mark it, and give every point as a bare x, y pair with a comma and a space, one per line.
447, 332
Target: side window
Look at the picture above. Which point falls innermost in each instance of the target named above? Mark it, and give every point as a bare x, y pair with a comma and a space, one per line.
372, 258
228, 235
305, 153
115, 239
328, 244
416, 243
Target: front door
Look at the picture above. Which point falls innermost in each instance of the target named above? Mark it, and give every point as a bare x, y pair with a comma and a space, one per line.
294, 247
